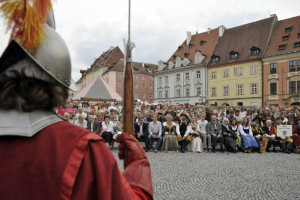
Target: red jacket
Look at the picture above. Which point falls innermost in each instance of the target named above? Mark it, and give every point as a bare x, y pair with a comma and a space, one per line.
62, 161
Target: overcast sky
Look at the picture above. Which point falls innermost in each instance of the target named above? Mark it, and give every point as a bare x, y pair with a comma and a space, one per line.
90, 27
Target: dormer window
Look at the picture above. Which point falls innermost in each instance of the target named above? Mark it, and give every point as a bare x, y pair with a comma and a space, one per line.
233, 55
202, 42
288, 29
180, 48
215, 58
296, 44
254, 51
191, 46
174, 56
186, 55
281, 47
285, 38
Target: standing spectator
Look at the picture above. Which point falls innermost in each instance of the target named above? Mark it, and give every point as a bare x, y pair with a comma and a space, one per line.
231, 116
245, 131
93, 125
70, 109
155, 133
107, 130
141, 132
81, 121
214, 129
112, 115
80, 112
208, 114
206, 138
238, 116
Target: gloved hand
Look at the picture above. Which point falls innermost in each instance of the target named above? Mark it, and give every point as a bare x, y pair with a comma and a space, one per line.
137, 167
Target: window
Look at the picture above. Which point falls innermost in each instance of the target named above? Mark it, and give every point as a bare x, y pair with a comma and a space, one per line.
136, 76
136, 95
281, 47
233, 55
298, 87
167, 80
198, 74
150, 95
166, 94
136, 85
273, 88
187, 76
298, 65
198, 91
285, 38
150, 86
180, 47
178, 93
296, 44
143, 77
292, 87
160, 80
177, 77
191, 46
215, 58
225, 90
253, 88
254, 51
119, 75
239, 88
144, 95
225, 73
186, 55
213, 75
202, 42
144, 85
253, 70
187, 92
289, 29
119, 84
292, 65
151, 78
160, 94
273, 68
239, 71
213, 91
174, 57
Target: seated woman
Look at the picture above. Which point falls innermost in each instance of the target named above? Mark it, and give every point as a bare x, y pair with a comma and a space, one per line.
196, 143
229, 136
171, 132
107, 130
245, 131
234, 128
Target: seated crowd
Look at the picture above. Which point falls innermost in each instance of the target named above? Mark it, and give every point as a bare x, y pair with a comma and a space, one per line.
195, 128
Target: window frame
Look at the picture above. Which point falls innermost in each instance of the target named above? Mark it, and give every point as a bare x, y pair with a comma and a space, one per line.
271, 89
271, 67
251, 88
225, 94
237, 89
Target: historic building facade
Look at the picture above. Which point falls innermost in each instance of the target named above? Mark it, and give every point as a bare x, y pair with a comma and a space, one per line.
182, 79
143, 83
235, 68
281, 63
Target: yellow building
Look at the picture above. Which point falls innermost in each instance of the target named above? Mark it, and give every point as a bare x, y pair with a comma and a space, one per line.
235, 69
237, 84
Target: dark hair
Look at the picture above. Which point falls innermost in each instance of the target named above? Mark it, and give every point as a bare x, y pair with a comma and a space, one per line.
28, 94
106, 117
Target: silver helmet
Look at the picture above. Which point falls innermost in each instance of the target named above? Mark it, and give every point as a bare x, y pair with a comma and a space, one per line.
52, 56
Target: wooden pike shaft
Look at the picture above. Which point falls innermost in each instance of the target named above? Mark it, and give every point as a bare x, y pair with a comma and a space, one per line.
128, 100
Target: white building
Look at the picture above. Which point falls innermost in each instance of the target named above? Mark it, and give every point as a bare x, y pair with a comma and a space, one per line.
183, 79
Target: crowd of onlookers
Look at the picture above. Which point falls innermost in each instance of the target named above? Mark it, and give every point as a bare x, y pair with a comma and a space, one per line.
196, 128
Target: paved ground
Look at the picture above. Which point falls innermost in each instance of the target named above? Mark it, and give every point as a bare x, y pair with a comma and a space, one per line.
192, 176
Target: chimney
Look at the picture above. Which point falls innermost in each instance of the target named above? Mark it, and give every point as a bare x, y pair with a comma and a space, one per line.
221, 30
188, 37
208, 30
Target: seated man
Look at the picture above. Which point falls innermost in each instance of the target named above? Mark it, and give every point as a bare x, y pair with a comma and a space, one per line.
141, 132
93, 125
155, 133
214, 128
269, 132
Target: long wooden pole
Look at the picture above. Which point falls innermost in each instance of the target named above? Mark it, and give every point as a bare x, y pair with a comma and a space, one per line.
128, 86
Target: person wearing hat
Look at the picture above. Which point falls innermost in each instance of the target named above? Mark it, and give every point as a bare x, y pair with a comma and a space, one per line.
185, 130
44, 157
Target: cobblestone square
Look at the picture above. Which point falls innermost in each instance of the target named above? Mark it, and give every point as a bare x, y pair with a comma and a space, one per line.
224, 176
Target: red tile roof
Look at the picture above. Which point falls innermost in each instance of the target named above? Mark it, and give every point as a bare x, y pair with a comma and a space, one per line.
206, 49
278, 34
241, 39
108, 58
138, 68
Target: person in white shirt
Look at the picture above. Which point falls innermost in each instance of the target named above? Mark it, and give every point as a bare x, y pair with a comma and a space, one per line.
206, 138
107, 130
80, 112
155, 133
81, 122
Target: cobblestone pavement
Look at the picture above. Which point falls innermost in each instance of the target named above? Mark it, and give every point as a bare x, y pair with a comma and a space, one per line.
192, 176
